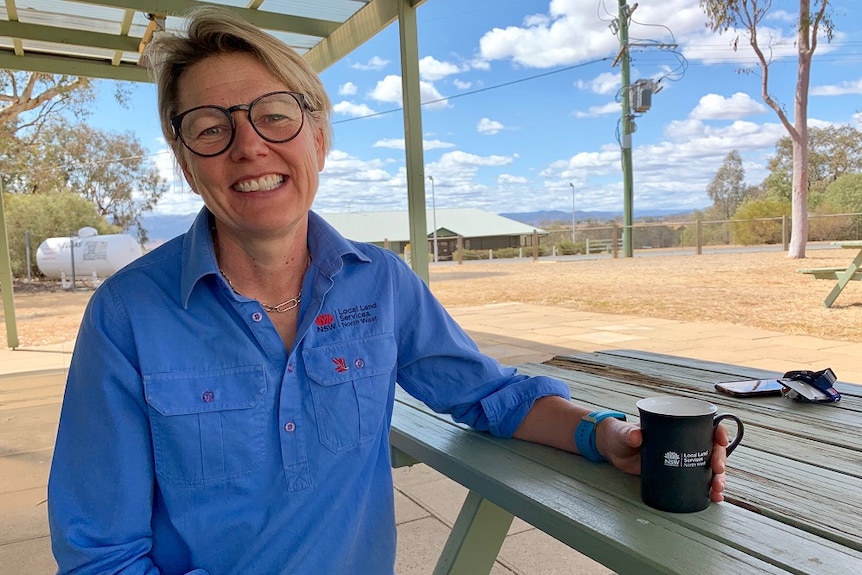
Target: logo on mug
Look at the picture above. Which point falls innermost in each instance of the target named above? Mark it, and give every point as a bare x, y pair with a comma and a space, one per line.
672, 459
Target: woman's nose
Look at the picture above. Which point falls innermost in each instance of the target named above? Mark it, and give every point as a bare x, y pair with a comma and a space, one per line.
246, 142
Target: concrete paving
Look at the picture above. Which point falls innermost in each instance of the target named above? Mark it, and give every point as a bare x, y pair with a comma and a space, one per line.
427, 503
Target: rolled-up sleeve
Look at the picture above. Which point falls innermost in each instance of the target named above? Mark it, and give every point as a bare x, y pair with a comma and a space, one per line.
442, 366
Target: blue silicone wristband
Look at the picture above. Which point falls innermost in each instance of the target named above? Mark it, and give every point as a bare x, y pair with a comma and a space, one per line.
585, 433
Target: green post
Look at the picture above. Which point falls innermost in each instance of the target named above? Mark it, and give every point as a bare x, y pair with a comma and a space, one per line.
626, 132
6, 278
407, 28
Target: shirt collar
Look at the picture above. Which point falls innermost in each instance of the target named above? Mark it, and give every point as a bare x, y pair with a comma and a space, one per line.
329, 250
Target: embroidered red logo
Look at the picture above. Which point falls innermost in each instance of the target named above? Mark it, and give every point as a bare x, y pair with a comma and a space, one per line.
324, 319
340, 364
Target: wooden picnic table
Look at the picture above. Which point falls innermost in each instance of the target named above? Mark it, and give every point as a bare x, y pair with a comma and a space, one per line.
793, 502
852, 272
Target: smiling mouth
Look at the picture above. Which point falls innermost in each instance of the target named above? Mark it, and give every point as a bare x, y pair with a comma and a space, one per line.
260, 184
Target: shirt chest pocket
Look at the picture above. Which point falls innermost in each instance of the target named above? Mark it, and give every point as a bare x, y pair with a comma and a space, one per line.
350, 384
207, 425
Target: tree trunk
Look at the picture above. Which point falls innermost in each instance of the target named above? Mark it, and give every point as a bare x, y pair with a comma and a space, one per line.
799, 204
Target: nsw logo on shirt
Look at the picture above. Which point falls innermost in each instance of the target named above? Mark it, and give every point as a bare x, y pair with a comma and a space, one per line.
350, 316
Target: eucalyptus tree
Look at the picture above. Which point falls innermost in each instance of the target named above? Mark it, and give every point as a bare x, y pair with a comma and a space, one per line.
744, 17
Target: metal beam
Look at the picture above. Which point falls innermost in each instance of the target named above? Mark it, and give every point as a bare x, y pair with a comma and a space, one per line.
413, 139
265, 20
73, 67
358, 29
6, 279
68, 36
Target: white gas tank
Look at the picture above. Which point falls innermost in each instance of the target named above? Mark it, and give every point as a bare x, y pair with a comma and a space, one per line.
102, 255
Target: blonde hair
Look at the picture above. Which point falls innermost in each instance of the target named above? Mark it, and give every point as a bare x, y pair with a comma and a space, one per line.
212, 31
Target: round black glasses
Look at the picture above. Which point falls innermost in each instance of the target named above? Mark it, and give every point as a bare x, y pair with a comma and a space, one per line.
208, 131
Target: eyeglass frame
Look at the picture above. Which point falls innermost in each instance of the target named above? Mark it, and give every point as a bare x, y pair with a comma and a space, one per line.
301, 99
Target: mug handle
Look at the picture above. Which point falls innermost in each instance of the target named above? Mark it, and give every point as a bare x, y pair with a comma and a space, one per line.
740, 429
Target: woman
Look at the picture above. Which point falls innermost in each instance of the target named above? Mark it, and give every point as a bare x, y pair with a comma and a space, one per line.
229, 399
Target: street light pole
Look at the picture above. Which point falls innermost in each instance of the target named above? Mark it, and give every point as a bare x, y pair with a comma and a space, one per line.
573, 211
434, 217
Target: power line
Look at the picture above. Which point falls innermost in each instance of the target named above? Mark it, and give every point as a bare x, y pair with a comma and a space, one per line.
480, 90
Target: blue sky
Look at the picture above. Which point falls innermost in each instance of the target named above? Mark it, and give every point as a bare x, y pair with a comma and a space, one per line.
527, 107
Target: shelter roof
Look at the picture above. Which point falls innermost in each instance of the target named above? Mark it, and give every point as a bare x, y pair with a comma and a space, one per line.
394, 225
104, 38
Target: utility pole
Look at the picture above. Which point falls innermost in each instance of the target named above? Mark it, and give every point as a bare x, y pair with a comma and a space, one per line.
626, 132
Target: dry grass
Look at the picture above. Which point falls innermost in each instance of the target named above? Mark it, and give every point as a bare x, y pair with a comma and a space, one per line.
749, 289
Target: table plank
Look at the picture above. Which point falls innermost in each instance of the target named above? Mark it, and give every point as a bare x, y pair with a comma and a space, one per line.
597, 510
793, 466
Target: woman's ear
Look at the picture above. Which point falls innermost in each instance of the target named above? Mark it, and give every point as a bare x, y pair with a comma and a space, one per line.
320, 147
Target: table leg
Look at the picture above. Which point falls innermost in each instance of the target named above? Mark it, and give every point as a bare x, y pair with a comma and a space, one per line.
476, 538
843, 279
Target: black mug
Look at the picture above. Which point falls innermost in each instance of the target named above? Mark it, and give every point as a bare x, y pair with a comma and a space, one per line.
677, 450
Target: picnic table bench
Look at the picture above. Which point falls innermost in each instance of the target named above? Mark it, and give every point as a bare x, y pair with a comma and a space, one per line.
793, 503
852, 272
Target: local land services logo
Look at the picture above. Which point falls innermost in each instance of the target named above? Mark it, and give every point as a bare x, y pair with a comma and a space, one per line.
347, 317
672, 459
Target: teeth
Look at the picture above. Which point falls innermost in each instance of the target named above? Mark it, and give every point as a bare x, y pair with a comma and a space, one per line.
265, 183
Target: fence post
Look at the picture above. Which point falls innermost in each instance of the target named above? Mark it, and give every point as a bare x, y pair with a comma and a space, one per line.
698, 237
535, 245
616, 240
784, 233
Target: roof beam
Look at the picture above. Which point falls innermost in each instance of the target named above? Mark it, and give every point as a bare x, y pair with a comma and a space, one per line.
68, 36
73, 67
265, 20
368, 21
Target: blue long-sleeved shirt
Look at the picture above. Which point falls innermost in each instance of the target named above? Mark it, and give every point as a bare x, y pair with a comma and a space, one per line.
192, 442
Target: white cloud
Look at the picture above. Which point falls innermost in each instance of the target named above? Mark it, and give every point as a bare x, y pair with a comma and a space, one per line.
506, 179
461, 85
389, 90
842, 89
603, 110
716, 107
604, 83
348, 89
398, 144
459, 158
431, 69
353, 110
376, 63
489, 127
547, 42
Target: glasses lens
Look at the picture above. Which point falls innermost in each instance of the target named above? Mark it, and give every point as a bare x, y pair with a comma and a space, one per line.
206, 130
277, 117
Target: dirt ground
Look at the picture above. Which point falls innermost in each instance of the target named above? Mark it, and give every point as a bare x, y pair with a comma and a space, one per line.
748, 289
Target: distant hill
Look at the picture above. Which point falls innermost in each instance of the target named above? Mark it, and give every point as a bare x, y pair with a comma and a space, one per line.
542, 217
161, 228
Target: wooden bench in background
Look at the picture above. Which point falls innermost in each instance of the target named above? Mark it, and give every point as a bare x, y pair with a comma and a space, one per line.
843, 276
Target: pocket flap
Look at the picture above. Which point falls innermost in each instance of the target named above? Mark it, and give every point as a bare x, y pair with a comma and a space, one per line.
200, 391
343, 361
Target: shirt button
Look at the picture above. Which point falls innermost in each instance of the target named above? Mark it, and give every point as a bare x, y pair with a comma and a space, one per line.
208, 396
289, 426
256, 316
289, 368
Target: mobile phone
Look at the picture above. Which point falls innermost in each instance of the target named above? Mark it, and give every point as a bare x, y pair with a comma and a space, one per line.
751, 387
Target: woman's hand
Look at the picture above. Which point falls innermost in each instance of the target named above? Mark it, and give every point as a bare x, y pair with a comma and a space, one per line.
620, 442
